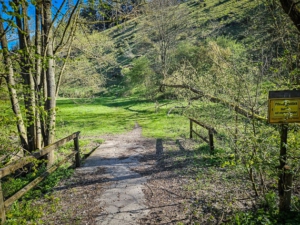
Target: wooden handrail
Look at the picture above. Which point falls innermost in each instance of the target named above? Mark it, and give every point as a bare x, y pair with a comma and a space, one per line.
24, 161
33, 183
211, 132
11, 168
204, 125
55, 145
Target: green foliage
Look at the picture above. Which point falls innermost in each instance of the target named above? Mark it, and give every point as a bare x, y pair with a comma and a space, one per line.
141, 77
50, 182
214, 54
187, 51
29, 212
260, 217
8, 134
25, 212
99, 141
12, 184
267, 213
139, 72
83, 76
110, 115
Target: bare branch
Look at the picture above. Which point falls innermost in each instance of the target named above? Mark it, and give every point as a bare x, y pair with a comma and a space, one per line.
214, 99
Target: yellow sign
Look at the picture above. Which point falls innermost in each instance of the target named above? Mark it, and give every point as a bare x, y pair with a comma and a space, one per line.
284, 110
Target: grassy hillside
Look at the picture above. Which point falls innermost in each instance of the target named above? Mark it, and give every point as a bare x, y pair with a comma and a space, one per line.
200, 59
102, 59
210, 58
113, 51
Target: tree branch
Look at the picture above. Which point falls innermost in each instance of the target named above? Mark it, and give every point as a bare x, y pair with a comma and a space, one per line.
292, 10
214, 99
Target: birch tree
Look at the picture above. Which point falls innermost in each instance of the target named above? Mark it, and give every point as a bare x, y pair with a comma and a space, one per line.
31, 65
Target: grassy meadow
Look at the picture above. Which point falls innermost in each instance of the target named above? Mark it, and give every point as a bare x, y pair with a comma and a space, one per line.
110, 115
229, 49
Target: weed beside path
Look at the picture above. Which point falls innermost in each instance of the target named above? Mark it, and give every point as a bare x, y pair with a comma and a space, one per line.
187, 185
175, 182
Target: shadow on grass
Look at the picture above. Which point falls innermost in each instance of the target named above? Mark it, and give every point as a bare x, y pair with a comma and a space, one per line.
104, 101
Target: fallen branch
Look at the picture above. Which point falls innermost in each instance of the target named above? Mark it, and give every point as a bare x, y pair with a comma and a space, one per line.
214, 99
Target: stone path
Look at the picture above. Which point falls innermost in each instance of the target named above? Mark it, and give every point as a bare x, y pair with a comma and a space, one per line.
123, 199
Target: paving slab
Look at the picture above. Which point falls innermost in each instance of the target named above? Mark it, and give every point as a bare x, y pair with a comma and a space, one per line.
123, 200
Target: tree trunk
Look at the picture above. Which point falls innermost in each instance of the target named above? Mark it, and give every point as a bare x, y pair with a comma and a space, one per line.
26, 71
38, 71
37, 67
10, 80
50, 78
291, 8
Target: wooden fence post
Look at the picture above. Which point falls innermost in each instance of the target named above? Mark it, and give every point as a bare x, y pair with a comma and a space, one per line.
2, 207
211, 141
76, 147
286, 190
285, 177
191, 129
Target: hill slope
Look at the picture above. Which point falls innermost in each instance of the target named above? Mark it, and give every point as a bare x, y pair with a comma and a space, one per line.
105, 57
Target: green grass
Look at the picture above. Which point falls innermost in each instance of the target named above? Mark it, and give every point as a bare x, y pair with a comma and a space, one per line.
109, 115
113, 115
95, 117
8, 130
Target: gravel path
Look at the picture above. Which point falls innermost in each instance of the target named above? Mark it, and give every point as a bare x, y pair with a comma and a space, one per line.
129, 179
123, 200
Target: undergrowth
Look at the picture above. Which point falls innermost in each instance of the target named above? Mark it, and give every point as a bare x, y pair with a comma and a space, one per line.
25, 210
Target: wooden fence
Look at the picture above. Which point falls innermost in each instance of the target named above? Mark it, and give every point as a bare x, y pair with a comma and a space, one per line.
211, 132
11, 168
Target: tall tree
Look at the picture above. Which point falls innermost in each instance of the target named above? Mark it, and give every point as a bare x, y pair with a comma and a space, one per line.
33, 65
102, 14
292, 8
168, 19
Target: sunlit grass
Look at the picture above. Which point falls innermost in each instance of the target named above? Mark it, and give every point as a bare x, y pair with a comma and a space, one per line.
107, 115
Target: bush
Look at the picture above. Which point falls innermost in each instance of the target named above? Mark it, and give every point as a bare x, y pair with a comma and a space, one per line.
139, 72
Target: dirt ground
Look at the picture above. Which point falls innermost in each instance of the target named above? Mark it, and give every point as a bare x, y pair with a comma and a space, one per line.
173, 184
78, 200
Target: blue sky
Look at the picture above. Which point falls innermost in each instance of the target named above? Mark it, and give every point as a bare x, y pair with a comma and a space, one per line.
11, 36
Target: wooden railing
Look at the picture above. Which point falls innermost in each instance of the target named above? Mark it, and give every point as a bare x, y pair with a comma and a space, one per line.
211, 132
11, 168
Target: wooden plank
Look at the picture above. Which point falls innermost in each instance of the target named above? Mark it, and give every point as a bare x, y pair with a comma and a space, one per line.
211, 141
285, 176
285, 199
204, 125
55, 145
203, 138
24, 161
191, 129
2, 208
77, 150
15, 165
32, 184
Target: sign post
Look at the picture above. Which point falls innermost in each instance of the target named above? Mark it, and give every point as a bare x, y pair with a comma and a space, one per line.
284, 108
